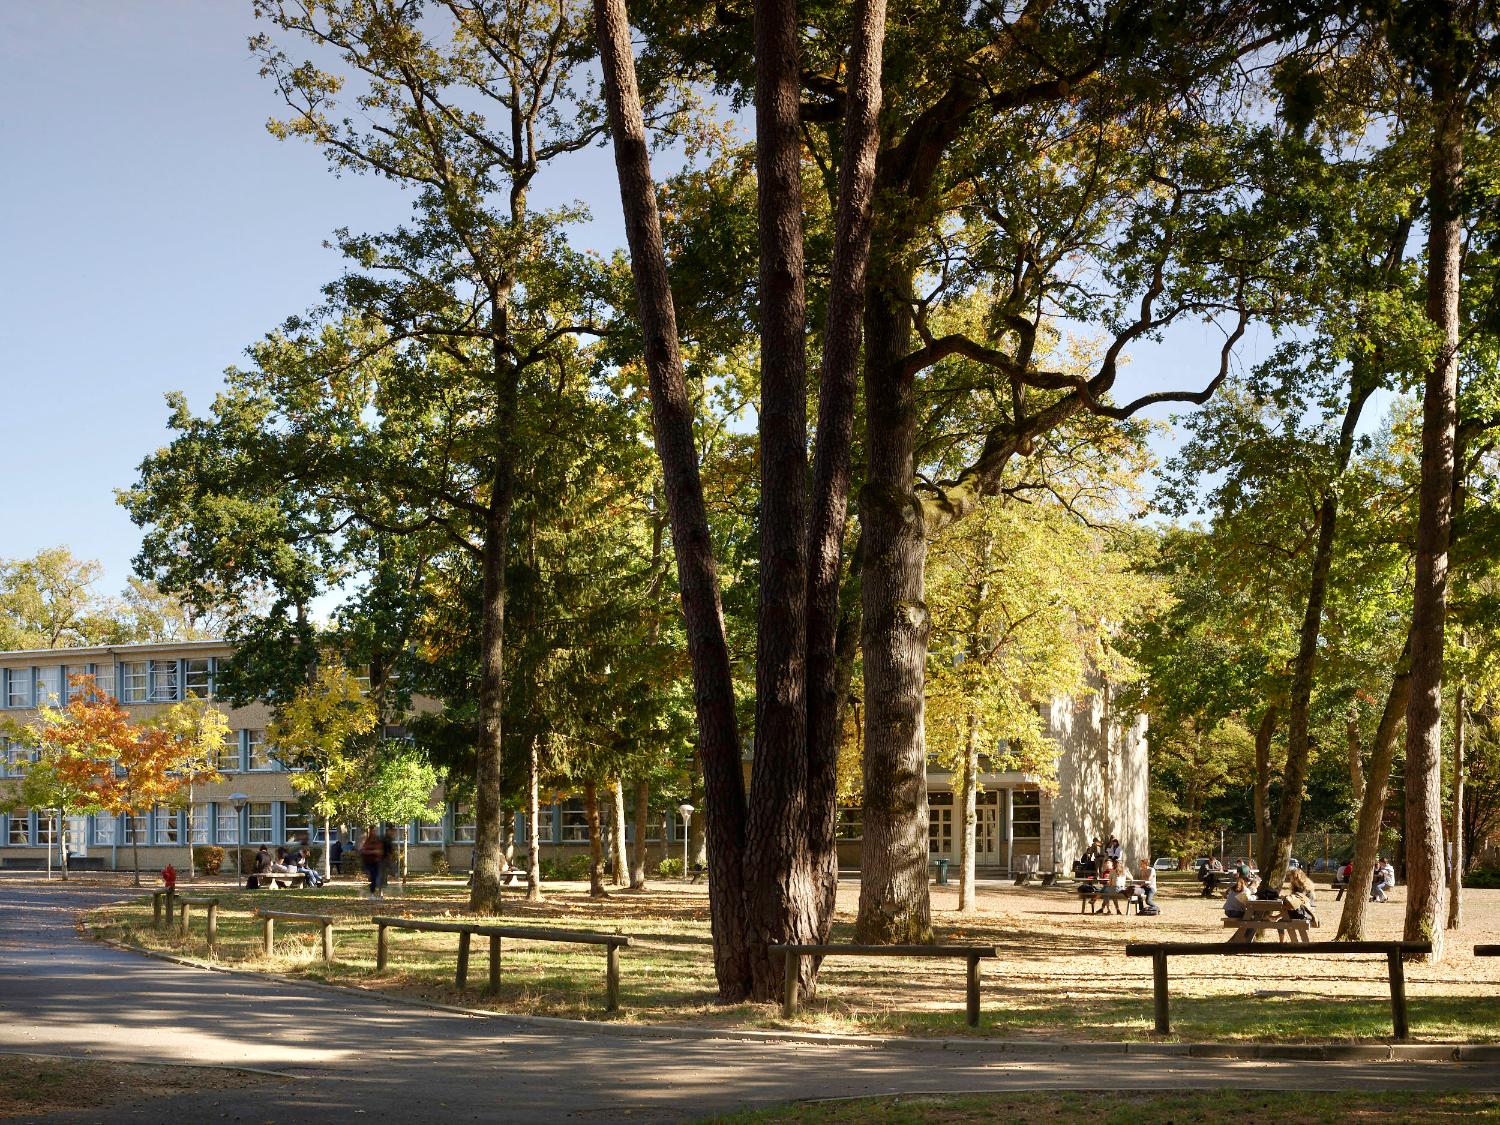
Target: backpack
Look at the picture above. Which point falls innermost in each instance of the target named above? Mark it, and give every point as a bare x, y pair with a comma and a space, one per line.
1150, 911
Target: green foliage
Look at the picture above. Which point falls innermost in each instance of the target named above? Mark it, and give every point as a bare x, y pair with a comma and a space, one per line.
569, 869
670, 868
438, 858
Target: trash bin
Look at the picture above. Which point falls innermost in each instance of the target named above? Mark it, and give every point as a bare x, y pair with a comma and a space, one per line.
942, 866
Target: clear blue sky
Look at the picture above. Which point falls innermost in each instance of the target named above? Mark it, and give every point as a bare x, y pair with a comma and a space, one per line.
150, 229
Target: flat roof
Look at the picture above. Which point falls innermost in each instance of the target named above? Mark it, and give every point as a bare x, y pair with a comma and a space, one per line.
20, 655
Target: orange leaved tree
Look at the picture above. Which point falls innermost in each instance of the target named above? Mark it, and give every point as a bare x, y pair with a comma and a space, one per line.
124, 767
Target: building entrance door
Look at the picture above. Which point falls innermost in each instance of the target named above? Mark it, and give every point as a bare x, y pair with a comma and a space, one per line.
987, 829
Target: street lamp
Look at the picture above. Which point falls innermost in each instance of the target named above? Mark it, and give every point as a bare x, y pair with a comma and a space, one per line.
687, 815
239, 801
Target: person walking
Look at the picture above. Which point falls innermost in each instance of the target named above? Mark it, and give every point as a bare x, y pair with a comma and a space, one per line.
372, 855
388, 856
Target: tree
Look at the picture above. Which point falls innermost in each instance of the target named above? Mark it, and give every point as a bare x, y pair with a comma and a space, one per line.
45, 787
322, 733
119, 766
199, 731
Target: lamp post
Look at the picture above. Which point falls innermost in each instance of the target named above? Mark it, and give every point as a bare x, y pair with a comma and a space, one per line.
687, 815
239, 801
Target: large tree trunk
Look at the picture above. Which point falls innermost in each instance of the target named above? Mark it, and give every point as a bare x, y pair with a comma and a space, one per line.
533, 815
1299, 707
1263, 833
672, 421
970, 809
894, 907
621, 875
596, 840
1372, 808
1424, 718
642, 830
1456, 824
830, 479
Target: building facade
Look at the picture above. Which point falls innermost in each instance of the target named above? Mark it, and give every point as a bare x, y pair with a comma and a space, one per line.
1102, 783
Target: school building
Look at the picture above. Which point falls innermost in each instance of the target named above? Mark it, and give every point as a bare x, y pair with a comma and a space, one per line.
1102, 782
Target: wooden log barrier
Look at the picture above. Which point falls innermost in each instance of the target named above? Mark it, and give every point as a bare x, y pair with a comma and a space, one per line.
792, 956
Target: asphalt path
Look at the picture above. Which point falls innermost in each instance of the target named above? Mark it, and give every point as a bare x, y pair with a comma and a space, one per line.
64, 994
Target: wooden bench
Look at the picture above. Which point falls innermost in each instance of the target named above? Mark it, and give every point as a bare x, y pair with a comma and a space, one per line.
1245, 929
269, 918
184, 926
1392, 950
792, 956
1100, 900
466, 931
281, 880
1487, 951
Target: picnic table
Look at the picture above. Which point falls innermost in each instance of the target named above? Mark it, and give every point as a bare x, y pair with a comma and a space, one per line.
1099, 899
1264, 915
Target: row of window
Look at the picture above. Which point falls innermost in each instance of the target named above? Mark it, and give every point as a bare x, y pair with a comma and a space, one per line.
136, 681
243, 751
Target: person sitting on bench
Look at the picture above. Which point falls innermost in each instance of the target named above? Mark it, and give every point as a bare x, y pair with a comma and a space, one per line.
1145, 884
1299, 901
1234, 901
1384, 880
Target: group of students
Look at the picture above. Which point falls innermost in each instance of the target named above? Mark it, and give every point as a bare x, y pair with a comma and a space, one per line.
1104, 864
1382, 879
1299, 900
291, 860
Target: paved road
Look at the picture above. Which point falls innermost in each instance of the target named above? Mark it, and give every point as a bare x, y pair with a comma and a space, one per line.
62, 994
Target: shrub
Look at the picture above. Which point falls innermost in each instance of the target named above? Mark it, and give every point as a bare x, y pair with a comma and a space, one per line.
574, 867
208, 858
439, 858
670, 869
349, 862
1485, 878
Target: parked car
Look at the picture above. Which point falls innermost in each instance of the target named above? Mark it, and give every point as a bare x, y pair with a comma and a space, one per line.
1200, 864
1165, 863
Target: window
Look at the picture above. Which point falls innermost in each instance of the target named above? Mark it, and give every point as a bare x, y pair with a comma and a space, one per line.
1026, 814
260, 754
14, 759
259, 827
463, 825
135, 829
940, 823
46, 828
298, 824
104, 679
19, 834
134, 681
198, 678
106, 829
429, 832
166, 826
575, 823
228, 758
544, 819
72, 673
228, 825
399, 831
18, 690
49, 685
164, 681
198, 819
851, 823
78, 834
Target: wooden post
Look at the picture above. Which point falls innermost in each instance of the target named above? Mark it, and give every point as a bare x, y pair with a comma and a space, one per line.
461, 978
156, 910
380, 950
494, 964
612, 979
1159, 982
270, 926
327, 943
213, 924
184, 923
793, 963
973, 990
1398, 992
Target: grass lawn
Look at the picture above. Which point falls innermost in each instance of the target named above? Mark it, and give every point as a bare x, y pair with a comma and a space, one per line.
1208, 1107
1061, 975
30, 1085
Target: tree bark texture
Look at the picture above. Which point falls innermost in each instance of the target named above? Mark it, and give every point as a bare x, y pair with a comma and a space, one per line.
1424, 721
1372, 807
831, 458
970, 817
533, 816
1304, 668
620, 876
894, 906
672, 422
1456, 823
596, 840
642, 831
783, 905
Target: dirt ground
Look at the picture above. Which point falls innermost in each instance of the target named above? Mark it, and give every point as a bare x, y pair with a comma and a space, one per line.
31, 1086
